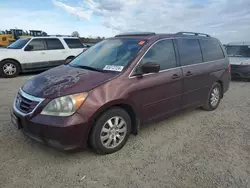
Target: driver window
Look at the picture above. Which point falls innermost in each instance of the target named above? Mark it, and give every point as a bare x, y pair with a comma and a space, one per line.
38, 44
162, 53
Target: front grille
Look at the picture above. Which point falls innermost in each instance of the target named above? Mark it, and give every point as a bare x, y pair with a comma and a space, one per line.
238, 66
26, 103
234, 66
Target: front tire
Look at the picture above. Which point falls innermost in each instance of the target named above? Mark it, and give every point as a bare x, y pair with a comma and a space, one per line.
9, 69
111, 131
214, 97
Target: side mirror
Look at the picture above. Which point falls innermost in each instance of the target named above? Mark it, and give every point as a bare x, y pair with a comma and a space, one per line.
28, 48
150, 68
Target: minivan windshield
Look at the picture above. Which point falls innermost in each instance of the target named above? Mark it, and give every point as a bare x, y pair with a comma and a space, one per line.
109, 55
238, 51
19, 44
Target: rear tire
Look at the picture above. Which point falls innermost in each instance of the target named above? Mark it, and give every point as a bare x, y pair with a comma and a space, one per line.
214, 97
9, 69
106, 139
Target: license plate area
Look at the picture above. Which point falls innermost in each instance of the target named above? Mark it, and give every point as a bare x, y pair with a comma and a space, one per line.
16, 121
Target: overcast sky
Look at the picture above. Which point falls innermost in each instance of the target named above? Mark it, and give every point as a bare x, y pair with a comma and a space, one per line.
227, 20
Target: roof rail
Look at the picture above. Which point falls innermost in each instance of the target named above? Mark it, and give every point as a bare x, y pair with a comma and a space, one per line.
135, 34
53, 36
192, 33
59, 35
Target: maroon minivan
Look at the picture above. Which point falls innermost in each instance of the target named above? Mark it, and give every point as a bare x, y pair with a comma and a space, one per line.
108, 91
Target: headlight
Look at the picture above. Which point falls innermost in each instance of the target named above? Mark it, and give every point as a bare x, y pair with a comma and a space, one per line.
64, 106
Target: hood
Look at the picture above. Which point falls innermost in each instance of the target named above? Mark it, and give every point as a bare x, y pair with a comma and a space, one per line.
8, 49
64, 80
238, 60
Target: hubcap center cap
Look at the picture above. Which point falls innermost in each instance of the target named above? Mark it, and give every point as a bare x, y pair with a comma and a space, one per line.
112, 132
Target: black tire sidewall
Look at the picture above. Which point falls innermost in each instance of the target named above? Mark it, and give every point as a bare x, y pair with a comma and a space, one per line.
95, 133
216, 85
2, 74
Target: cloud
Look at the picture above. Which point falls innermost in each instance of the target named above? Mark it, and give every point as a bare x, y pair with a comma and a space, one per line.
79, 12
218, 17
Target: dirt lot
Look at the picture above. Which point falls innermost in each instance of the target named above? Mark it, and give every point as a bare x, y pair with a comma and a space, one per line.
193, 149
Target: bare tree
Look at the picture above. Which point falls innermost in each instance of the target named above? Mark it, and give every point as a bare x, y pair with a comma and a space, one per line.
75, 34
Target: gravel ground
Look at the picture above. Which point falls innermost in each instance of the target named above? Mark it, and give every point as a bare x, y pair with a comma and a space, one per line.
193, 149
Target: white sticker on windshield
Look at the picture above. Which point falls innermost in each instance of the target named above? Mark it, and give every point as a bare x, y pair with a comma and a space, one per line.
113, 68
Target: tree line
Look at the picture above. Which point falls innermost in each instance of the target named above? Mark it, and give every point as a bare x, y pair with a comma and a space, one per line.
87, 39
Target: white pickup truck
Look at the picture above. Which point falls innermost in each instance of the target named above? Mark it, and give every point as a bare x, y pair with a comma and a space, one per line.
37, 54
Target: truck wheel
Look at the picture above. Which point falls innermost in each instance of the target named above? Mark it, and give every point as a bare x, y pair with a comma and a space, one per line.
9, 69
110, 131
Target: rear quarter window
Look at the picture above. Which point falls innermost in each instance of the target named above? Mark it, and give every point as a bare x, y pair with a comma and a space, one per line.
211, 50
74, 43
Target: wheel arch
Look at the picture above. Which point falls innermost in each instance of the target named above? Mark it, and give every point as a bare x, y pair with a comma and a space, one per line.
11, 59
70, 57
222, 87
118, 104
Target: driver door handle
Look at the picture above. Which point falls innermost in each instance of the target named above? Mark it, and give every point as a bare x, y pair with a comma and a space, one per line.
189, 73
175, 76
42, 52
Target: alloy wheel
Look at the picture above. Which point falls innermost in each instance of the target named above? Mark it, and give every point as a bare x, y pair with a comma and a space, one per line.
215, 97
9, 69
113, 132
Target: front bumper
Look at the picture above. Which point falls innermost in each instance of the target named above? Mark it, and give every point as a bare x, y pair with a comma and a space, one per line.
64, 133
59, 137
62, 138
240, 71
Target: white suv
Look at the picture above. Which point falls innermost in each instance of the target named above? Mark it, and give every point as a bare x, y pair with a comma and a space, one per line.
37, 54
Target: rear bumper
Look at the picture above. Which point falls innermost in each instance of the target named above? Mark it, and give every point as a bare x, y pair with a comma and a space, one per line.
240, 71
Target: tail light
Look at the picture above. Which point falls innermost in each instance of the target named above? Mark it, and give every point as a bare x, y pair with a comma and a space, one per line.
229, 68
84, 49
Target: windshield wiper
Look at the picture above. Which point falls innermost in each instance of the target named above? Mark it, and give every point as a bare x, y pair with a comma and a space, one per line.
88, 68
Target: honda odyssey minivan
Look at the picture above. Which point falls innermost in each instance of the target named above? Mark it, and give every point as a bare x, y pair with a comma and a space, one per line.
108, 91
